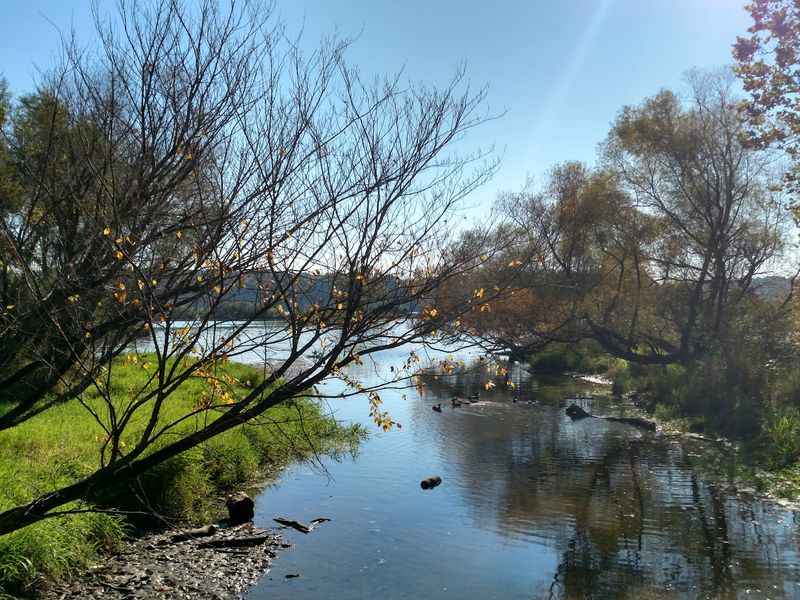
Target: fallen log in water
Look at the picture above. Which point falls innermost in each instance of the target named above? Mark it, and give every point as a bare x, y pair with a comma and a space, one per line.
301, 527
430, 482
576, 413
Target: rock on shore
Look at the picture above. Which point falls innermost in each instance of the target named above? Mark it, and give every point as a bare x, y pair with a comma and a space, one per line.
155, 567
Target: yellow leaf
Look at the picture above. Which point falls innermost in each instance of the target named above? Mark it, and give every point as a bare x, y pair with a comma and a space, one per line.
106, 231
119, 255
178, 234
489, 385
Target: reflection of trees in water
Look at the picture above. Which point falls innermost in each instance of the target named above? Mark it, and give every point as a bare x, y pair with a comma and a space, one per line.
625, 512
473, 377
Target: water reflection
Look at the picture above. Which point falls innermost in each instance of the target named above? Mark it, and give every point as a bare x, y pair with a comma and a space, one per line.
532, 506
627, 511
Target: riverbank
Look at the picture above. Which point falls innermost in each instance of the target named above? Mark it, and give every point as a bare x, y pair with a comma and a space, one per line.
61, 445
156, 567
744, 399
766, 448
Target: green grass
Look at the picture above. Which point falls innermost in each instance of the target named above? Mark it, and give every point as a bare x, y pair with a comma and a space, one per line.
62, 445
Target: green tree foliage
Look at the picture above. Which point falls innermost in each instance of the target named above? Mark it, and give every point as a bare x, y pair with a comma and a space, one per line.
653, 254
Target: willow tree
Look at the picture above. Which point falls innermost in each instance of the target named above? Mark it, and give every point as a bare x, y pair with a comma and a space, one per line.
199, 156
720, 220
655, 252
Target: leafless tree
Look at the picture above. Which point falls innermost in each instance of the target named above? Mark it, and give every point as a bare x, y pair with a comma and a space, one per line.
199, 155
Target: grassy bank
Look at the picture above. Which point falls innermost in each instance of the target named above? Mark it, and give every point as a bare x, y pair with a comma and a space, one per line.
62, 445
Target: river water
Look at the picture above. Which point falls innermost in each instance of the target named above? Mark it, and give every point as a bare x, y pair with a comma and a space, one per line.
532, 505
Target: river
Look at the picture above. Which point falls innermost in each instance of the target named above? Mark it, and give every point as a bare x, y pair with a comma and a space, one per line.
532, 505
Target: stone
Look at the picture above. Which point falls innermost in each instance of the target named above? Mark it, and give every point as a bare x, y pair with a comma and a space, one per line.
240, 508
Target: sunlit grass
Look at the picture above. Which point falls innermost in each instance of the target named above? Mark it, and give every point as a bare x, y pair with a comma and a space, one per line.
63, 445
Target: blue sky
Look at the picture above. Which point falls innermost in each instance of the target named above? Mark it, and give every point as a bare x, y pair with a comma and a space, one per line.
561, 69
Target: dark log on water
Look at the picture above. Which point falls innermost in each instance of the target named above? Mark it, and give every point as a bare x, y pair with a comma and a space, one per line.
430, 482
633, 421
576, 413
301, 527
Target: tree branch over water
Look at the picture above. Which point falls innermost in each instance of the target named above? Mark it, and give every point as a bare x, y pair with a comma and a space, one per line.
198, 158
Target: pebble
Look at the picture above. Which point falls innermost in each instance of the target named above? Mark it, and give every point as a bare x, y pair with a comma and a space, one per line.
154, 568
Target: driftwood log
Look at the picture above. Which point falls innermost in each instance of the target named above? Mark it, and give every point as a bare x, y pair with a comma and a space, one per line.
237, 542
576, 413
430, 482
301, 527
191, 534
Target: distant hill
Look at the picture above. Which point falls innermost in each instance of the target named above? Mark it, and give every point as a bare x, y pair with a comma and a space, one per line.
242, 302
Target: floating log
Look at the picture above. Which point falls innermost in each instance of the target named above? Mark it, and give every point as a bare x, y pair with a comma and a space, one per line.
237, 542
633, 421
430, 482
190, 534
576, 413
301, 527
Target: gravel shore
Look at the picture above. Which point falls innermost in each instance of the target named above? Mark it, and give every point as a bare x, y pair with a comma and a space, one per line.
155, 567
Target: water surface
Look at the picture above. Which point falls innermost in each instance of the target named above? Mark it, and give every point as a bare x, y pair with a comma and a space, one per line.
532, 506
